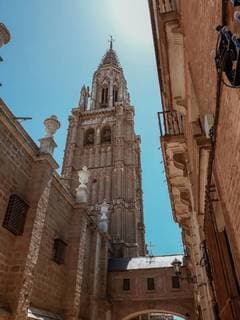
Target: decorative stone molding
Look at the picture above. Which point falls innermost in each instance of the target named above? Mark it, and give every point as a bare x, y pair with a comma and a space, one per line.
176, 167
103, 221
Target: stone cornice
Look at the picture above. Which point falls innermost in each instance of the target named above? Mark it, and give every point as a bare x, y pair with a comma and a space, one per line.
88, 114
47, 157
167, 42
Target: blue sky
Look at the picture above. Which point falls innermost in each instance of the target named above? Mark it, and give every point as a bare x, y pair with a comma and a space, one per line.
55, 48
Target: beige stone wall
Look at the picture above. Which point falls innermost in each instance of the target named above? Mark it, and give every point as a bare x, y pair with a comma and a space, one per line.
139, 300
15, 174
51, 278
185, 42
29, 276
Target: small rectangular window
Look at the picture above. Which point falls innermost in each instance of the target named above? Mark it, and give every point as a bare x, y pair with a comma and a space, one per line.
59, 251
150, 284
15, 216
175, 282
126, 284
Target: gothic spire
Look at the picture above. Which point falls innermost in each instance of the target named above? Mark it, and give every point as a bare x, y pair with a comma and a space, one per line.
110, 57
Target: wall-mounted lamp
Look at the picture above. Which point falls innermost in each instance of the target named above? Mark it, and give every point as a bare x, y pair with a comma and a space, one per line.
177, 268
235, 2
228, 55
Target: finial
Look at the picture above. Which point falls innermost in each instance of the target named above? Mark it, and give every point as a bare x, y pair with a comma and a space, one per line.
47, 143
111, 41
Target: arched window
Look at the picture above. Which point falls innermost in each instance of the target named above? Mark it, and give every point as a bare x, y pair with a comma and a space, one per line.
106, 135
115, 95
104, 98
89, 137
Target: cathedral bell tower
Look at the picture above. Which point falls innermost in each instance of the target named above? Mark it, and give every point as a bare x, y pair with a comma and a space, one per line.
101, 136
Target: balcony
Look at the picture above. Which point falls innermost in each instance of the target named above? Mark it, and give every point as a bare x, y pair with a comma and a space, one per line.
170, 123
167, 5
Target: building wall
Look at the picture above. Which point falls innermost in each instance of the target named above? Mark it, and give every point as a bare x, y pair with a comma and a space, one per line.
189, 87
29, 277
140, 300
15, 176
51, 278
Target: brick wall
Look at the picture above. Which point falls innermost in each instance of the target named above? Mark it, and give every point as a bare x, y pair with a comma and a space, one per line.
201, 39
15, 174
28, 274
50, 277
139, 299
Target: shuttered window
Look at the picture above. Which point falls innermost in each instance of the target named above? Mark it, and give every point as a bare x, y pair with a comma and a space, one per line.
15, 216
175, 282
150, 284
126, 284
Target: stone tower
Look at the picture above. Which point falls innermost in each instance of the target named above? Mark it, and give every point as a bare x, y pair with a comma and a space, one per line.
101, 136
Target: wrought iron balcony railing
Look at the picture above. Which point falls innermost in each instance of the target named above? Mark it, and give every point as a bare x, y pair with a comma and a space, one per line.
167, 5
170, 123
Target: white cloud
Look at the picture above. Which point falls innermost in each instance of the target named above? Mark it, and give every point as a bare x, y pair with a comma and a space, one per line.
130, 21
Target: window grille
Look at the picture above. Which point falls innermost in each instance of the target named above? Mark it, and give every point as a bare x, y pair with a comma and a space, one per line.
126, 284
150, 284
175, 282
15, 216
59, 251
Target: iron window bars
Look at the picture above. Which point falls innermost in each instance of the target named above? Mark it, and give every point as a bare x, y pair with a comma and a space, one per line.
15, 216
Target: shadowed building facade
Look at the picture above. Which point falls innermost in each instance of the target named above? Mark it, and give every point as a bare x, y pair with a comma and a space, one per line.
196, 45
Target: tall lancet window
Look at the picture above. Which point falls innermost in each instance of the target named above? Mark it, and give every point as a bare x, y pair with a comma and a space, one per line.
89, 137
106, 135
115, 95
104, 98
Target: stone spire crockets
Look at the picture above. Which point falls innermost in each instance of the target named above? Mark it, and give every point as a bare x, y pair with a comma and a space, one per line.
109, 86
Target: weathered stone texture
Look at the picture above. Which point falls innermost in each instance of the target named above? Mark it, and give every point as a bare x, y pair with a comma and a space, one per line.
50, 279
15, 174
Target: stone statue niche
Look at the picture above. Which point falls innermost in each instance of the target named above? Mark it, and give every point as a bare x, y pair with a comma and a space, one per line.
82, 189
103, 222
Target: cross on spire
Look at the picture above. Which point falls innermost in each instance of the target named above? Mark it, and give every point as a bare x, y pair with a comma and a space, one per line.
111, 41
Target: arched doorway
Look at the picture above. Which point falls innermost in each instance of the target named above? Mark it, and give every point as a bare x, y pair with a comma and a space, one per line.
156, 315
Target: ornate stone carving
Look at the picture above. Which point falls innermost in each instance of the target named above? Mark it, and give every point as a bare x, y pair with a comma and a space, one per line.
51, 125
103, 222
47, 143
82, 189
